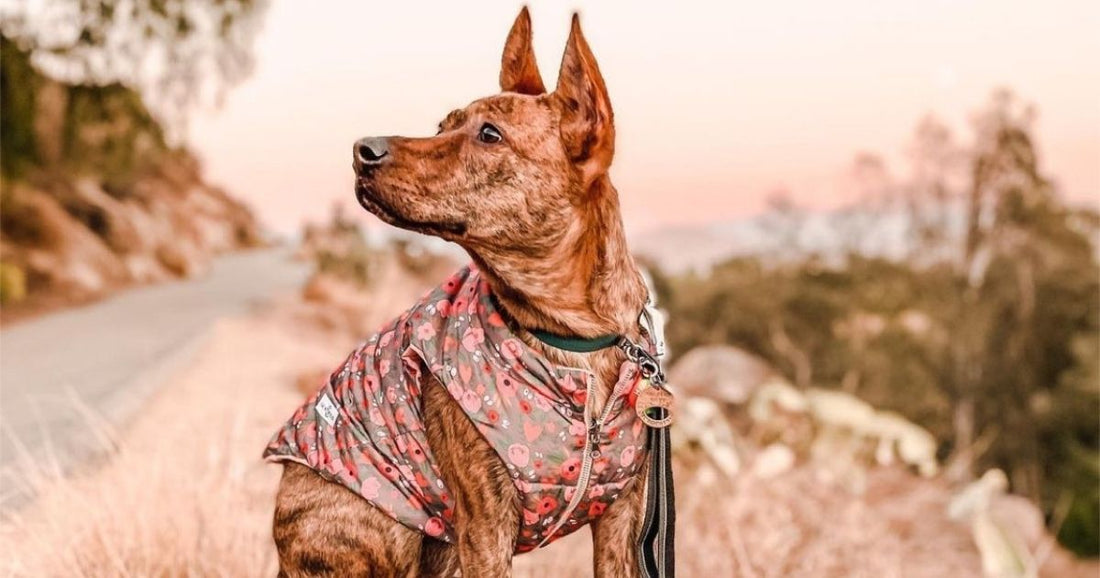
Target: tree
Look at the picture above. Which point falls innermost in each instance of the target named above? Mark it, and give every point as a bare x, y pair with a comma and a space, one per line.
784, 220
1025, 300
934, 190
176, 53
987, 334
875, 194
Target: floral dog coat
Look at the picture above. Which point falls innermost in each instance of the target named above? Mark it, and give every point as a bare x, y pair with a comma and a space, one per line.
364, 428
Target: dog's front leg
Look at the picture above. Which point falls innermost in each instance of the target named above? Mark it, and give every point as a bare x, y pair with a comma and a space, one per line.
615, 533
486, 519
486, 543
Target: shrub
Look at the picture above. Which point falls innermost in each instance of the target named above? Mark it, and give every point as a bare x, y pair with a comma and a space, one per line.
13, 284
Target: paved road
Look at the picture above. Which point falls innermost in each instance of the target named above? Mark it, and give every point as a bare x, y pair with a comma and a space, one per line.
110, 356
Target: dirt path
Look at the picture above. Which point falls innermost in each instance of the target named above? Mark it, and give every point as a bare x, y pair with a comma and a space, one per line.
184, 492
107, 358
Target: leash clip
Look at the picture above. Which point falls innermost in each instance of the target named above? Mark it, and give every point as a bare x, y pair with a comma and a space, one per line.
654, 403
648, 365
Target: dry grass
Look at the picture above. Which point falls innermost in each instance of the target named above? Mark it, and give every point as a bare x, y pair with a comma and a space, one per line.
185, 493
798, 525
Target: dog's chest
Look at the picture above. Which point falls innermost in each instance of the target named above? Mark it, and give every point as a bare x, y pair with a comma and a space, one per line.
568, 463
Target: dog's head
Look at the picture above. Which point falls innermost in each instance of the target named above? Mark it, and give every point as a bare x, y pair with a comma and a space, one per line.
511, 171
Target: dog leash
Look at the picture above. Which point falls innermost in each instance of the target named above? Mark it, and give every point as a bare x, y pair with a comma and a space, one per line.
655, 549
656, 541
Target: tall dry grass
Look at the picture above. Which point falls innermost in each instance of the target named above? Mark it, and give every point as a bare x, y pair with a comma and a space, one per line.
182, 492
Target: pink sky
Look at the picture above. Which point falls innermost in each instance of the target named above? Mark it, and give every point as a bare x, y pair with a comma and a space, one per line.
716, 105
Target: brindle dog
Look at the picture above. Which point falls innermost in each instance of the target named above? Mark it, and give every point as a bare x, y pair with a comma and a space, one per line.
519, 180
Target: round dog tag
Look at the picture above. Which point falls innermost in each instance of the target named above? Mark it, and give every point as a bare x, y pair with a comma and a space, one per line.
654, 405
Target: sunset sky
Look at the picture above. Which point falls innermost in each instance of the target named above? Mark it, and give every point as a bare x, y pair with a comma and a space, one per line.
716, 104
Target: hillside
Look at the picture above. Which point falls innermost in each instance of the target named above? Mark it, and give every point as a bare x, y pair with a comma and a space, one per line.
93, 198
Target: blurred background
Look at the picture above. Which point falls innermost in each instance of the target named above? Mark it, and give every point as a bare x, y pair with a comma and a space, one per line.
874, 227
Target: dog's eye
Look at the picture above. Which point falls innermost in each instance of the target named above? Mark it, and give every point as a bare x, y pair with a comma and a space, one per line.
489, 134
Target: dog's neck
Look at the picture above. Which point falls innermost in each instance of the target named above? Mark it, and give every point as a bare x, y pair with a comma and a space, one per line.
587, 285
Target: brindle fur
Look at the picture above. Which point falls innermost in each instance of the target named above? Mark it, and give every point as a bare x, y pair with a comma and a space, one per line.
538, 214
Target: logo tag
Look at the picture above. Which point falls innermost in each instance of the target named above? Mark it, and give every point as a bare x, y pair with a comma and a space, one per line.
327, 409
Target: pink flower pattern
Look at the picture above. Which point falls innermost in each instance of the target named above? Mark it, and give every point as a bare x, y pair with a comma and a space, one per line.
529, 410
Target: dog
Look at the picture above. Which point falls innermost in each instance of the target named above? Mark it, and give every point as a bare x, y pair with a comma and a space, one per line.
520, 181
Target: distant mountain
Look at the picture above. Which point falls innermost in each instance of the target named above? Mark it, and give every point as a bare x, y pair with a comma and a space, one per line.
888, 233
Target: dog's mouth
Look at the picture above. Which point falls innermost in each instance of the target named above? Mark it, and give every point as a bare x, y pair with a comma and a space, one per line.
370, 201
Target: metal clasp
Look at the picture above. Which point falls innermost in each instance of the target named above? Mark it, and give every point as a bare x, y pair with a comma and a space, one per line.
648, 365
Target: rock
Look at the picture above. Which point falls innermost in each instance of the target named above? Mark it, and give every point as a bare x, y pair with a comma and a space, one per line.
116, 227
913, 444
773, 461
76, 240
720, 372
66, 256
777, 396
839, 409
179, 259
839, 429
701, 428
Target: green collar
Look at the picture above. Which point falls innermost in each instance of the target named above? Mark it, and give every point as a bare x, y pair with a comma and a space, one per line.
575, 344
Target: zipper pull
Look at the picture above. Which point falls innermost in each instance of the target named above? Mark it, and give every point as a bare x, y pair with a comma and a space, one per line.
594, 434
594, 439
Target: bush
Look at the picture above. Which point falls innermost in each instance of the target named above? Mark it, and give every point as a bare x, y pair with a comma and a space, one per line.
13, 284
18, 87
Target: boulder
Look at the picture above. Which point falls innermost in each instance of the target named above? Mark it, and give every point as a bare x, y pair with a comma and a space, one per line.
66, 256
720, 372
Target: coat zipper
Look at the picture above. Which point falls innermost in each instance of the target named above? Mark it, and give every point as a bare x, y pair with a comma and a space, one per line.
592, 442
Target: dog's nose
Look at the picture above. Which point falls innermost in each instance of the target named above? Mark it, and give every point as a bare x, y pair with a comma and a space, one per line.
370, 151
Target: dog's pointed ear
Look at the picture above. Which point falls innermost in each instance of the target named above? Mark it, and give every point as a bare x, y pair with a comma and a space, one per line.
587, 122
518, 70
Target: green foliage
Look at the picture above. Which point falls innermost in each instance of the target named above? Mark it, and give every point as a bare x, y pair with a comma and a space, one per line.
13, 284
18, 86
104, 129
997, 342
340, 249
177, 53
413, 257
108, 130
1069, 431
355, 264
844, 327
